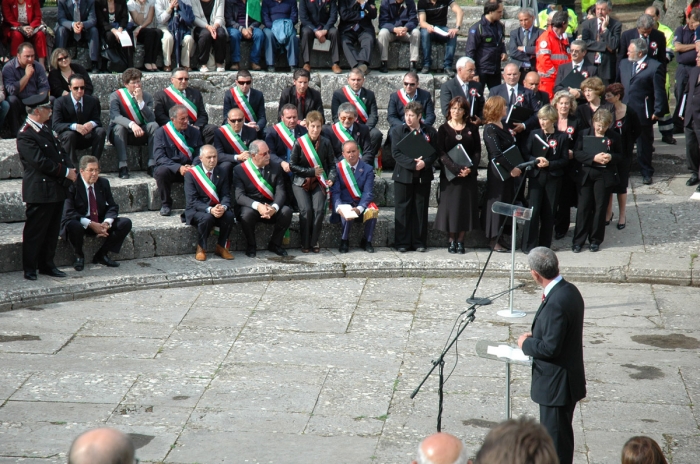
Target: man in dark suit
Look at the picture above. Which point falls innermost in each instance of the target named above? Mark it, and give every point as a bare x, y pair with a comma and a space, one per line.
356, 29
179, 93
365, 104
208, 203
76, 22
77, 120
684, 47
280, 138
318, 22
645, 93
464, 85
578, 64
343, 193
302, 96
655, 39
260, 194
347, 129
556, 346
517, 95
232, 141
521, 46
248, 99
90, 209
532, 83
690, 113
410, 92
48, 173
602, 36
176, 147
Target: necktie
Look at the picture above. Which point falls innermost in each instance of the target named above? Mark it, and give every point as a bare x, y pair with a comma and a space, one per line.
300, 107
635, 69
464, 88
575, 69
512, 97
209, 174
526, 40
543, 297
79, 112
76, 17
93, 205
353, 170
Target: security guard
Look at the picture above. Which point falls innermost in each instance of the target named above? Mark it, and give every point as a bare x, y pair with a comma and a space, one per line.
48, 172
486, 46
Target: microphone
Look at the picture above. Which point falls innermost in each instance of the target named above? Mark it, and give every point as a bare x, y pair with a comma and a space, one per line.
527, 165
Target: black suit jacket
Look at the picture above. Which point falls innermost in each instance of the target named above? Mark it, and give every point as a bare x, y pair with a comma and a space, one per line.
657, 53
556, 345
405, 165
395, 108
690, 107
278, 150
350, 15
312, 101
121, 14
542, 98
162, 103
360, 133
316, 14
197, 201
367, 97
256, 100
529, 101
566, 69
610, 39
246, 193
516, 40
645, 92
587, 163
452, 89
87, 14
165, 153
76, 205
558, 156
64, 112
225, 150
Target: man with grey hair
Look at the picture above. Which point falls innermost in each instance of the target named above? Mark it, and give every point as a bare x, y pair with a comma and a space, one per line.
441, 448
602, 35
555, 343
521, 47
654, 39
579, 65
464, 85
103, 445
347, 128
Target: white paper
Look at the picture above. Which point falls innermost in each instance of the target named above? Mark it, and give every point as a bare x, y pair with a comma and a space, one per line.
347, 212
695, 196
125, 39
321, 47
505, 351
437, 30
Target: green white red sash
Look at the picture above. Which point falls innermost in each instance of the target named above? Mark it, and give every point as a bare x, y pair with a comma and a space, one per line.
307, 147
285, 134
131, 107
233, 138
403, 96
357, 103
345, 171
206, 184
180, 99
343, 135
257, 179
378, 159
178, 139
243, 103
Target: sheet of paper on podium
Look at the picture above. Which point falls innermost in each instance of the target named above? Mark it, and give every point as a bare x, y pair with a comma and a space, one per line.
505, 351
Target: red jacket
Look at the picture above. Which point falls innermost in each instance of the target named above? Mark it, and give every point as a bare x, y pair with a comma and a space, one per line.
551, 53
9, 13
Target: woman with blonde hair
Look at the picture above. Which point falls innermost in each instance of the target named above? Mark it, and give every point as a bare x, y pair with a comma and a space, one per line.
62, 67
565, 104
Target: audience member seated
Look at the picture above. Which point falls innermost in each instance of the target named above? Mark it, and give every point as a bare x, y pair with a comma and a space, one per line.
23, 77
441, 448
77, 22
76, 120
232, 141
22, 23
280, 137
62, 67
398, 20
240, 26
260, 194
249, 100
175, 21
356, 30
179, 93
517, 441
642, 450
91, 210
302, 96
318, 22
209, 31
346, 129
410, 92
464, 85
208, 203
131, 120
143, 14
102, 445
176, 147
433, 14
4, 104
112, 20
280, 18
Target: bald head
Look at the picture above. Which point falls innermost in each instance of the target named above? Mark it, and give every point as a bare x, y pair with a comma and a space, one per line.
442, 448
102, 446
532, 81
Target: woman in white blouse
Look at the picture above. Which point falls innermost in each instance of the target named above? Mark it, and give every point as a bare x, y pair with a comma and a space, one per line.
143, 16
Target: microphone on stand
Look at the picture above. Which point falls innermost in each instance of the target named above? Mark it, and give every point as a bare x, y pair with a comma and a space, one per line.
526, 166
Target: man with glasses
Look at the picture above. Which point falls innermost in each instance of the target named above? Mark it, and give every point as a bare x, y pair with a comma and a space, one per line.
346, 129
579, 64
248, 100
90, 209
23, 77
410, 92
76, 119
180, 93
77, 22
464, 85
48, 172
232, 140
131, 119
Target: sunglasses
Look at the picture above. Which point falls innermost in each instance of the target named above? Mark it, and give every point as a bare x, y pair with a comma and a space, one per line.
79, 87
409, 84
183, 79
63, 58
236, 120
244, 82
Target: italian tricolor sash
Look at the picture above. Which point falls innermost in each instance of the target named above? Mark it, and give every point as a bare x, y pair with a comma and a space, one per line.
345, 171
243, 103
233, 138
178, 139
343, 135
131, 107
285, 134
357, 103
256, 178
307, 147
405, 99
206, 184
180, 99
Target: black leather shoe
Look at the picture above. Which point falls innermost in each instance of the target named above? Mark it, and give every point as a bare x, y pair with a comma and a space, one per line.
421, 249
105, 260
450, 72
150, 170
79, 264
413, 66
594, 247
576, 248
559, 235
460, 248
165, 210
452, 248
646, 181
693, 180
621, 226
278, 250
607, 223
30, 275
384, 68
698, 188
124, 172
251, 252
425, 70
344, 246
668, 139
53, 272
402, 249
369, 248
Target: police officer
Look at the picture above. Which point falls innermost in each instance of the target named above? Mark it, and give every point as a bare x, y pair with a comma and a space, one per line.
485, 44
48, 172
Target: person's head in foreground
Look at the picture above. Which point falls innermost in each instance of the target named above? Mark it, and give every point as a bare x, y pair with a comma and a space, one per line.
441, 448
102, 446
642, 450
517, 441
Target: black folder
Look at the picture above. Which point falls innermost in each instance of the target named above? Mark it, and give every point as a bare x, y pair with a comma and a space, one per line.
514, 158
573, 80
518, 114
414, 146
459, 155
593, 145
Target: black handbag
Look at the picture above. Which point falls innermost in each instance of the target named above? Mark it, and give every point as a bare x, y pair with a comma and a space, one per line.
116, 59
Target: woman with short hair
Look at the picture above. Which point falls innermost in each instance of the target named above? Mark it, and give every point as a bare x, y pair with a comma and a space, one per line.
62, 67
593, 90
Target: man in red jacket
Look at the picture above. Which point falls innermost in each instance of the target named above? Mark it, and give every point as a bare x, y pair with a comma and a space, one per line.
552, 51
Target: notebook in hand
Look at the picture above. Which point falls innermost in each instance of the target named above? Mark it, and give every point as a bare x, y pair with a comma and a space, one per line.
518, 114
414, 145
593, 145
513, 156
539, 147
573, 80
459, 155
502, 172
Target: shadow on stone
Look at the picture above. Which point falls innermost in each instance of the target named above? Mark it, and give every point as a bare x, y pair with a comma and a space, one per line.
668, 341
140, 440
484, 424
180, 397
18, 338
645, 372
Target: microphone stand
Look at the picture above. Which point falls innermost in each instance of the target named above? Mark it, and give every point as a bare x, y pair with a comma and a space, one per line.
440, 362
474, 300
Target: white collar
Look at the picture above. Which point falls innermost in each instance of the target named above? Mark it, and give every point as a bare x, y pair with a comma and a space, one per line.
461, 84
87, 186
551, 285
514, 87
75, 102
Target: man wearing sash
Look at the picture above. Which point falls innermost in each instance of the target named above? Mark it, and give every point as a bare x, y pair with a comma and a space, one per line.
249, 100
259, 190
366, 107
131, 118
354, 187
179, 93
232, 141
280, 139
346, 129
208, 200
300, 95
410, 92
176, 148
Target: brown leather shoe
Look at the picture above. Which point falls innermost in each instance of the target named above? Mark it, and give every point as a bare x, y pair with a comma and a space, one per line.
255, 67
201, 255
223, 252
167, 68
336, 68
234, 67
307, 66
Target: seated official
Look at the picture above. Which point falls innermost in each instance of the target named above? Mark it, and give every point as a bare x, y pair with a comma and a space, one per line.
209, 31
410, 92
22, 22
280, 137
76, 119
179, 93
317, 20
232, 141
302, 96
77, 22
208, 203
347, 129
248, 99
131, 119
260, 194
176, 147
90, 209
356, 30
280, 18
355, 187
398, 21
62, 67
240, 26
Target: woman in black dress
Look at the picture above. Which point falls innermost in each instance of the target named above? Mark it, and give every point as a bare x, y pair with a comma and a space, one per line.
550, 147
61, 69
458, 208
598, 176
565, 104
627, 125
594, 90
113, 18
497, 140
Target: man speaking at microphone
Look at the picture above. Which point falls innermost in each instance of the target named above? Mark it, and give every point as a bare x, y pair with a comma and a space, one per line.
556, 346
